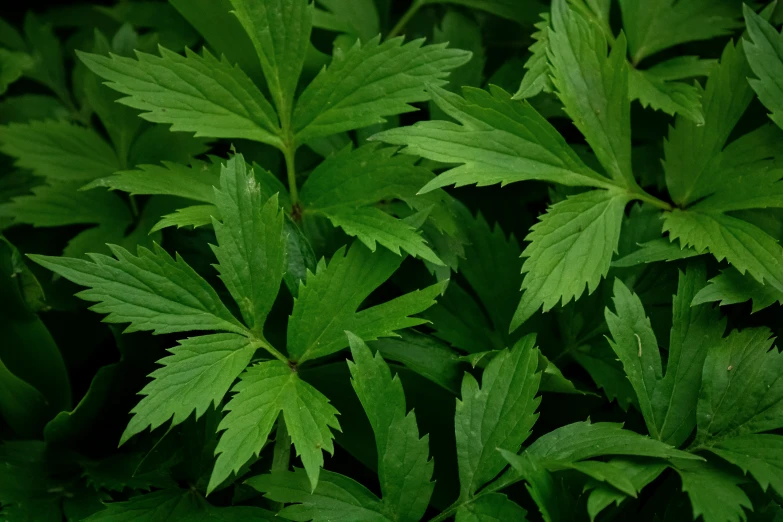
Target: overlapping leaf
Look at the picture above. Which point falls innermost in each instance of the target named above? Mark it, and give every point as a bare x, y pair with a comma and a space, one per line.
193, 93
570, 247
327, 304
370, 81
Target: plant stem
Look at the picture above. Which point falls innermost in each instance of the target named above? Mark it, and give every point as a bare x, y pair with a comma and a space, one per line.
134, 206
289, 152
406, 17
446, 513
262, 343
652, 200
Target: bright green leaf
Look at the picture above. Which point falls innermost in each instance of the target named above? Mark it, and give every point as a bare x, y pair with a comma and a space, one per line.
193, 93
196, 375
593, 88
368, 82
499, 414
280, 32
251, 251
262, 393
498, 140
335, 497
715, 494
58, 150
151, 292
741, 393
404, 466
327, 303
570, 247
668, 402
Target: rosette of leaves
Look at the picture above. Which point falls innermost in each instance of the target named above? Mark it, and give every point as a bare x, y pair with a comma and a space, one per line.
712, 204
212, 97
156, 292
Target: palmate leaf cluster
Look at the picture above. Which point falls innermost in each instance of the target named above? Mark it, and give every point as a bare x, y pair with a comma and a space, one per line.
324, 296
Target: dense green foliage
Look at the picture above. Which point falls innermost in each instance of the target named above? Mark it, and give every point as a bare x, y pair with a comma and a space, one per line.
308, 287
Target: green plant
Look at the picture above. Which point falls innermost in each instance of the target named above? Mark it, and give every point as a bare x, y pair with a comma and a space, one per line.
320, 328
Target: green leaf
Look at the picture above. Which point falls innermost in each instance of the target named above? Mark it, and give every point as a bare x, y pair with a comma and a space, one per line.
61, 203
491, 266
757, 185
58, 150
28, 491
29, 350
640, 472
499, 414
151, 292
593, 88
424, 355
299, 256
692, 150
494, 507
601, 363
404, 466
759, 455
654, 25
194, 182
653, 251
193, 93
754, 155
362, 176
747, 247
541, 485
681, 68
121, 123
327, 303
667, 96
28, 107
335, 497
583, 440
251, 251
731, 287
368, 82
459, 320
765, 56
462, 32
537, 78
715, 494
498, 140
262, 393
193, 216
668, 402
221, 29
740, 393
11, 37
570, 247
358, 18
45, 48
156, 144
12, 66
603, 472
373, 224
196, 375
22, 406
280, 32
176, 505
